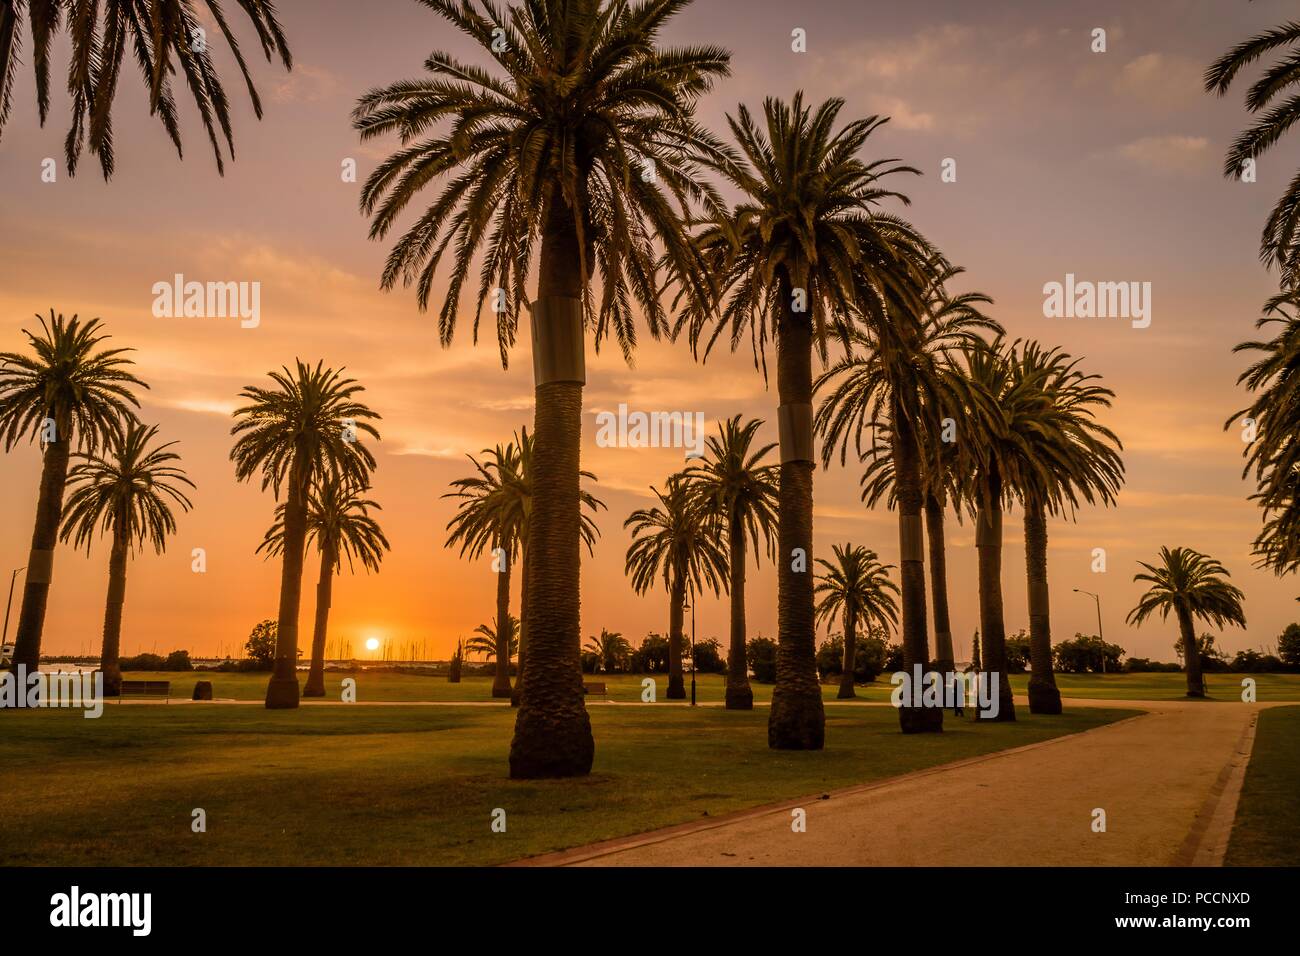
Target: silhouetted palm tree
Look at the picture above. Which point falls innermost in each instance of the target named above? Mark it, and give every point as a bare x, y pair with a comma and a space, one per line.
733, 482
900, 372
581, 136
127, 491
1275, 117
680, 542
1066, 455
857, 585
802, 252
339, 522
70, 392
164, 37
612, 649
490, 516
297, 434
495, 643
1273, 456
1191, 585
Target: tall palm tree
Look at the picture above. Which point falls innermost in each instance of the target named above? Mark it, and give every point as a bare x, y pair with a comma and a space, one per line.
127, 490
799, 255
612, 648
490, 516
680, 542
897, 383
1192, 585
1066, 456
340, 524
733, 482
494, 641
581, 136
164, 37
305, 429
1275, 99
69, 392
857, 585
1274, 455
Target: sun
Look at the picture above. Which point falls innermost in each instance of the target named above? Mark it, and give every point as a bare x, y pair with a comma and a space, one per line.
372, 643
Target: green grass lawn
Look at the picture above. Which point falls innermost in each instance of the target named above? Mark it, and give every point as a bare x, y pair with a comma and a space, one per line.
1267, 829
388, 686
416, 785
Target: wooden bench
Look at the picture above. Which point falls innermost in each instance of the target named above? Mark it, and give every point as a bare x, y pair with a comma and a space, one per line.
593, 687
146, 688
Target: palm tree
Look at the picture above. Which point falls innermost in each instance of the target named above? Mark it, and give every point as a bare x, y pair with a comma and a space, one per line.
680, 542
800, 253
69, 392
1191, 585
897, 383
733, 482
587, 142
304, 431
339, 522
581, 136
164, 36
490, 515
1066, 456
127, 491
1274, 453
857, 585
1275, 117
498, 643
611, 648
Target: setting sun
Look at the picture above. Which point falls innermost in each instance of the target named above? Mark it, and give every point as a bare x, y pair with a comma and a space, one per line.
372, 643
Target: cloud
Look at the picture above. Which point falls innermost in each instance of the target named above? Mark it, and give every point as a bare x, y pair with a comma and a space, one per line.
1169, 154
1160, 79
306, 84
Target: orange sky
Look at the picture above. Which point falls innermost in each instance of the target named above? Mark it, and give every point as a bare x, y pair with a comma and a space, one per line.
1101, 165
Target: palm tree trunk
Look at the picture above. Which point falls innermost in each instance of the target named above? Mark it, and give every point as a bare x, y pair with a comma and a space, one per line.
850, 654
552, 730
315, 686
740, 696
676, 619
908, 488
938, 556
1191, 652
1044, 698
797, 720
112, 649
501, 681
517, 691
993, 634
282, 690
40, 564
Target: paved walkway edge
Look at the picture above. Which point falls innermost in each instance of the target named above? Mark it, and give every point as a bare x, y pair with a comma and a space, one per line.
607, 847
1207, 841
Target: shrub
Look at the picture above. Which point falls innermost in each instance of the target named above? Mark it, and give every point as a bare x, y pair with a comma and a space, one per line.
761, 652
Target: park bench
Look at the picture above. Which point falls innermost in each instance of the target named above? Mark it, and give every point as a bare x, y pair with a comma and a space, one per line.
146, 688
593, 687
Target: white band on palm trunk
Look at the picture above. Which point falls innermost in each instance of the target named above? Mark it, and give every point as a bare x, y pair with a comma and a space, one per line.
795, 427
910, 535
40, 567
559, 342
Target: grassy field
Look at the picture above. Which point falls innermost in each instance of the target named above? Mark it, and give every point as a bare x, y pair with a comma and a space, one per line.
1267, 828
388, 686
416, 785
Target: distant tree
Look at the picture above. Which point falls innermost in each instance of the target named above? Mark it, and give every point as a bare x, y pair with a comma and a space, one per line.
1253, 662
1144, 665
178, 661
1212, 656
457, 663
1018, 652
830, 656
652, 656
1084, 655
613, 652
260, 646
708, 657
1288, 646
893, 658
761, 652
975, 662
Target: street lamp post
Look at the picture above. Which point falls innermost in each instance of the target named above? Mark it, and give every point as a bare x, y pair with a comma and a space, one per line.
9, 605
1099, 634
